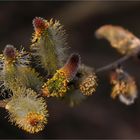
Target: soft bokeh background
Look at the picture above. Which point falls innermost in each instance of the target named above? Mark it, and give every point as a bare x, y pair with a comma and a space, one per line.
99, 116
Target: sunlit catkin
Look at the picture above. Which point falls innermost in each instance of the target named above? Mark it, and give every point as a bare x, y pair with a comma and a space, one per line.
27, 110
49, 44
58, 84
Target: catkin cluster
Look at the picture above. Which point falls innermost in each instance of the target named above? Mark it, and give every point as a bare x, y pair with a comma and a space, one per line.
65, 77
27, 87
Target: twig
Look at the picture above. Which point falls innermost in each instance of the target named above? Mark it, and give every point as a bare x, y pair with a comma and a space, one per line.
114, 64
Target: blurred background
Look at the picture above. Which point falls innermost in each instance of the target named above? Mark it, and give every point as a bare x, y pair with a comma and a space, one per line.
99, 116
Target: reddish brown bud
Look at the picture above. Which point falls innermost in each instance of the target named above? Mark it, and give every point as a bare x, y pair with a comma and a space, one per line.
9, 52
71, 66
39, 23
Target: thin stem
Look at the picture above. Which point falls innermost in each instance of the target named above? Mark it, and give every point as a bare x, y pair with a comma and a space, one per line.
114, 64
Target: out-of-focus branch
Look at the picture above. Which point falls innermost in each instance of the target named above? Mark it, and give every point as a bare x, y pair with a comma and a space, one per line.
79, 11
114, 64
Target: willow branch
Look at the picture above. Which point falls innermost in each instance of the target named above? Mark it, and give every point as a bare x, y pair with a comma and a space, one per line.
114, 64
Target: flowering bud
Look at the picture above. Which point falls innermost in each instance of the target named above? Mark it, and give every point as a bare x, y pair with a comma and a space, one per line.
58, 84
39, 23
49, 44
40, 26
9, 53
88, 84
124, 87
27, 110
